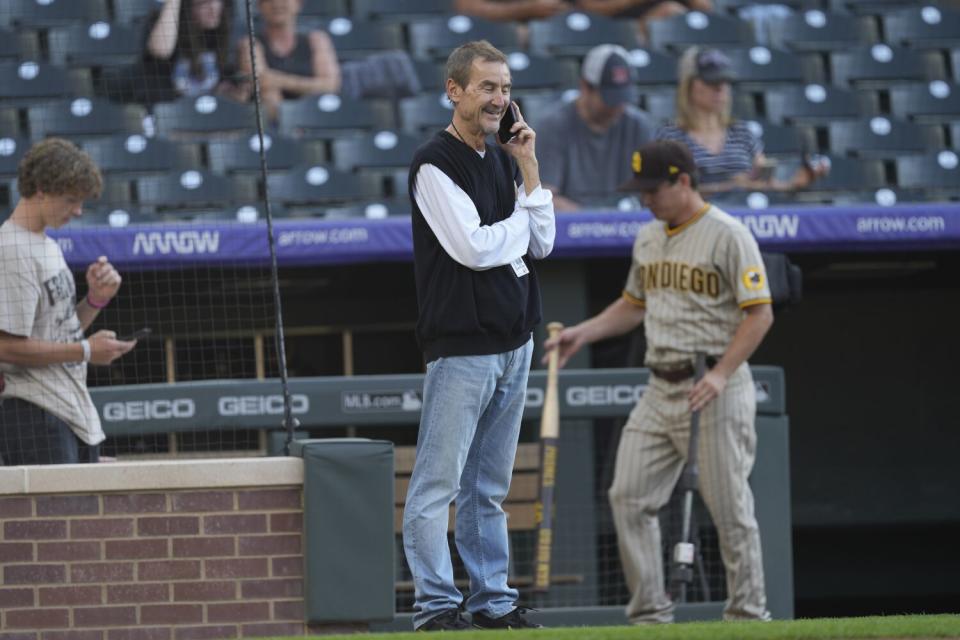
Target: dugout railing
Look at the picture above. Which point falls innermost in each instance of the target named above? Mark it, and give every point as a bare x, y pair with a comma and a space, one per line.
387, 407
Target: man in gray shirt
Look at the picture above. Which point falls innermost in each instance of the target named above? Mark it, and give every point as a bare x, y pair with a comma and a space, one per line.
586, 145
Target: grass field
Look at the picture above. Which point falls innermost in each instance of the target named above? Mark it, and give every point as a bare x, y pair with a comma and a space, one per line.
888, 627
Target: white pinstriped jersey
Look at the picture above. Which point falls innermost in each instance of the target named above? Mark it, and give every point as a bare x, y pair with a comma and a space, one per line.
694, 282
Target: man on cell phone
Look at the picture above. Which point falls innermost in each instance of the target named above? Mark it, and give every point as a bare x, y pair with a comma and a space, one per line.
46, 414
480, 219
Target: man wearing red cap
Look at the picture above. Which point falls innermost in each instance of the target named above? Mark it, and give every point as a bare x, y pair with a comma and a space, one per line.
698, 284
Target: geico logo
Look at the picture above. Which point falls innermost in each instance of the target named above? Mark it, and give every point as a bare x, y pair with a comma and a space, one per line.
261, 405
534, 397
602, 395
149, 409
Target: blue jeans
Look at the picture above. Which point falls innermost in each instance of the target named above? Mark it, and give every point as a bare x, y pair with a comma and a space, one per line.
469, 426
30, 435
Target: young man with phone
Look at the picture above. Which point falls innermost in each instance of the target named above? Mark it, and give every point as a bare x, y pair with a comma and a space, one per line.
480, 219
46, 414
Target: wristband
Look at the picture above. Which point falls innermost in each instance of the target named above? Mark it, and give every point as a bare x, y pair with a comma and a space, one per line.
97, 305
85, 345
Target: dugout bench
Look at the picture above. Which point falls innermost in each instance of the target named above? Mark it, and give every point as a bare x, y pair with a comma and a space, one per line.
393, 402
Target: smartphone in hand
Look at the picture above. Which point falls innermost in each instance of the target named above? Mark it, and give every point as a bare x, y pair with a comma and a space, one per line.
510, 118
139, 334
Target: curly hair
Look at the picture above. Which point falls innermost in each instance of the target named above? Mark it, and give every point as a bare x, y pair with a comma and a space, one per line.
58, 167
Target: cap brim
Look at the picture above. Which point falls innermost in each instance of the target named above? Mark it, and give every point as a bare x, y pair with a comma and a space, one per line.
641, 184
616, 96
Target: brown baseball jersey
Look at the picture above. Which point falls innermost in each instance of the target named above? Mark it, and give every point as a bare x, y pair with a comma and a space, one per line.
694, 281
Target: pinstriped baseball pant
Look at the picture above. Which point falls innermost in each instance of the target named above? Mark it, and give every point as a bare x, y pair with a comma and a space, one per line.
650, 458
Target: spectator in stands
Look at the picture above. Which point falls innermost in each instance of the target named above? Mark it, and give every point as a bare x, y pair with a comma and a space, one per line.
46, 414
292, 63
187, 52
586, 144
643, 10
729, 156
511, 10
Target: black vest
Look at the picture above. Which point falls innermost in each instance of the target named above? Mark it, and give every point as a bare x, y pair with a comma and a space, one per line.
462, 311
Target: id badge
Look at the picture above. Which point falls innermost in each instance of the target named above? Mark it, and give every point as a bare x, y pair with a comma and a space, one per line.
520, 267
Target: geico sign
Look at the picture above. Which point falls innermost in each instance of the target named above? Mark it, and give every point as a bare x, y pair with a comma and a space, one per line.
261, 405
149, 410
604, 395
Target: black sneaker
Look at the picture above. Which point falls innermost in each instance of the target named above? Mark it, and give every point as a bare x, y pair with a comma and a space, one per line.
513, 620
449, 620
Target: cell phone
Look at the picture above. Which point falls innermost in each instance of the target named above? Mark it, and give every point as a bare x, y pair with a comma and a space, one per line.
510, 118
139, 334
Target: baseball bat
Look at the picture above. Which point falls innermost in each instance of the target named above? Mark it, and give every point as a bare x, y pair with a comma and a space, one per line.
549, 432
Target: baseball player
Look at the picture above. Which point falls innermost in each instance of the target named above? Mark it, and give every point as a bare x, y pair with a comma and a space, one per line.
698, 284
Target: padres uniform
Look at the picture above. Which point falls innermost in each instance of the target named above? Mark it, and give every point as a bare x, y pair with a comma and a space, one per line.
693, 282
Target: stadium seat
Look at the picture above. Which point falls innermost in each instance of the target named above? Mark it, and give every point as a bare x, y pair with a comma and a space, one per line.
955, 135
814, 104
115, 216
136, 154
850, 174
378, 151
923, 27
815, 30
400, 10
882, 137
535, 105
759, 67
358, 38
19, 44
24, 83
51, 13
881, 65
12, 149
374, 210
436, 38
130, 11
192, 189
98, 44
574, 34
782, 140
938, 171
9, 122
653, 67
308, 185
425, 113
936, 102
203, 115
696, 28
243, 154
540, 73
80, 117
332, 116
756, 200
955, 63
431, 74
869, 7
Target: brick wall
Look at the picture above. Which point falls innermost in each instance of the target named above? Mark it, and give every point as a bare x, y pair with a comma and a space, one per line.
152, 565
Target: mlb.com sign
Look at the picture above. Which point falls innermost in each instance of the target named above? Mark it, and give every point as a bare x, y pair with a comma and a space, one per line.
181, 243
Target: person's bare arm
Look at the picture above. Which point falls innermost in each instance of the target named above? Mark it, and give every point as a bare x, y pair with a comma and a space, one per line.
618, 318
508, 11
29, 352
326, 70
163, 37
756, 322
606, 7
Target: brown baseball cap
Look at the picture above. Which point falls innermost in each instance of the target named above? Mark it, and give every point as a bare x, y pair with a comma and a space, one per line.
657, 162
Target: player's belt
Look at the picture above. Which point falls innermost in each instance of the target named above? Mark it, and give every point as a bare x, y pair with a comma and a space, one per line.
684, 372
